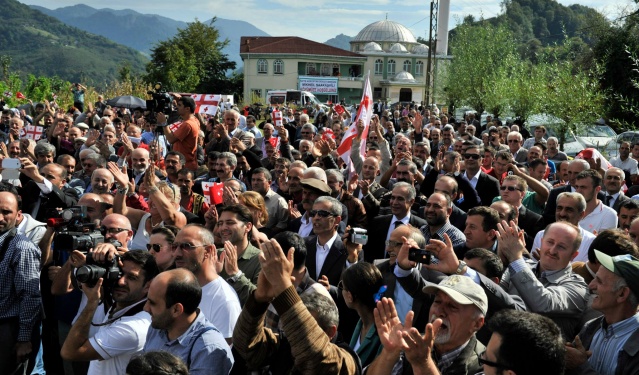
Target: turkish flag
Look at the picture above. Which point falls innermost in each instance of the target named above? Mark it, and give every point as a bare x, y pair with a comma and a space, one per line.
328, 133
213, 192
20, 95
364, 113
339, 109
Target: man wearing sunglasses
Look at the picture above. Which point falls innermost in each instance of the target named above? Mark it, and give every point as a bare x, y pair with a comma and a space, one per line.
514, 190
486, 186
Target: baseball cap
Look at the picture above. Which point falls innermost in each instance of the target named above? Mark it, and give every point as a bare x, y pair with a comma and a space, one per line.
461, 289
625, 266
317, 186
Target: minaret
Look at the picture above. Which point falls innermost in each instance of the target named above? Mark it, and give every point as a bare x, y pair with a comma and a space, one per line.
442, 27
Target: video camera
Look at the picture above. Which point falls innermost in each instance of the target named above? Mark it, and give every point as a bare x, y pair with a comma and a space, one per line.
74, 230
160, 102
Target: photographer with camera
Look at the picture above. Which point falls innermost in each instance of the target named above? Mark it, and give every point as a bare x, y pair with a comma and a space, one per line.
122, 330
184, 139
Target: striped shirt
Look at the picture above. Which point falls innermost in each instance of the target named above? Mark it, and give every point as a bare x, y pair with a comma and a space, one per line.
608, 342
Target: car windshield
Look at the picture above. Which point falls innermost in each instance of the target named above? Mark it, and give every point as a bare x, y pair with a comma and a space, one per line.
599, 131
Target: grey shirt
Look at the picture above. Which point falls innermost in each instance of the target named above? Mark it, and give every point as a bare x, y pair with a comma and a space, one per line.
205, 346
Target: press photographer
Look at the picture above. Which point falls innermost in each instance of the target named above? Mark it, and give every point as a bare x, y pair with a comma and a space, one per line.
184, 137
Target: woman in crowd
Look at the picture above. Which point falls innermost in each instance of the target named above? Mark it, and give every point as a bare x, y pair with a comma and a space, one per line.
362, 286
255, 202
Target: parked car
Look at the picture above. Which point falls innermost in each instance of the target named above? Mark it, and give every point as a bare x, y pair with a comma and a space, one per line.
600, 137
571, 145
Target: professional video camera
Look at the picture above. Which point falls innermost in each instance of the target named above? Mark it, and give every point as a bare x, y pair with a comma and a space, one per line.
109, 271
160, 102
74, 230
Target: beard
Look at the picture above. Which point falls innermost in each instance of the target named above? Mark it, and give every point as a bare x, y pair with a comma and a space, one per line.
443, 336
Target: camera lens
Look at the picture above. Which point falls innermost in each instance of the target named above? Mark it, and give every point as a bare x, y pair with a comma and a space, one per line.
89, 274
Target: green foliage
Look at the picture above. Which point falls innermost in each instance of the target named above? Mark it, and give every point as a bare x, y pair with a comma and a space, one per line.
480, 52
191, 61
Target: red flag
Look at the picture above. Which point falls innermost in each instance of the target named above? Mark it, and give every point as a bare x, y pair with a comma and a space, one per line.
339, 109
277, 118
364, 113
20, 95
328, 133
213, 192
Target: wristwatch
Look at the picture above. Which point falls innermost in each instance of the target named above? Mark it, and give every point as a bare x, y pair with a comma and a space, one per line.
123, 190
461, 268
237, 276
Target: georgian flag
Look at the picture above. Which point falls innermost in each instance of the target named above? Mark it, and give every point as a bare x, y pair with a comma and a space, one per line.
207, 103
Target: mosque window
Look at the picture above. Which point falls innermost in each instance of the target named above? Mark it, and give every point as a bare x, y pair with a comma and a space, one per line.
419, 68
379, 67
407, 66
391, 67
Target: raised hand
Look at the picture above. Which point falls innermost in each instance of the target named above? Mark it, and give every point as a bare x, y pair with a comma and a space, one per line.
389, 328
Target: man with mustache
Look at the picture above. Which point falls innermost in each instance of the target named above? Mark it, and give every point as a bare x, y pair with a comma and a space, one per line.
190, 201
449, 345
173, 162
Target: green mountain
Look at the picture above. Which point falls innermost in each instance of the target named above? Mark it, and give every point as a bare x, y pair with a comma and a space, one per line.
41, 45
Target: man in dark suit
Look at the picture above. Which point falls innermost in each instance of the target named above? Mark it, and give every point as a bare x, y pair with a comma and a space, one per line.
328, 257
487, 187
45, 192
227, 130
401, 200
515, 144
613, 179
403, 299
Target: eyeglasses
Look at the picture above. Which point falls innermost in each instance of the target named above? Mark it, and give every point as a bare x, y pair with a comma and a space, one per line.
156, 247
513, 141
184, 246
390, 244
483, 361
105, 230
471, 156
340, 285
321, 213
509, 188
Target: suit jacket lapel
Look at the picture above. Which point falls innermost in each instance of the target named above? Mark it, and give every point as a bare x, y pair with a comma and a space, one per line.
334, 255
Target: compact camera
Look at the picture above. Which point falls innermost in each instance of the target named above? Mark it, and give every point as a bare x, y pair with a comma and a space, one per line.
358, 235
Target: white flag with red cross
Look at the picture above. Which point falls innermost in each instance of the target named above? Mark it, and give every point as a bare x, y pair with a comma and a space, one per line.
175, 126
363, 113
277, 118
213, 192
31, 132
207, 103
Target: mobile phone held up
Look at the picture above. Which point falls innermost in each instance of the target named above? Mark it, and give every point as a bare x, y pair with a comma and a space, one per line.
419, 255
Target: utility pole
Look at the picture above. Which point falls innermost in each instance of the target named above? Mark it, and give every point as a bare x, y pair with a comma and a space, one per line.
432, 47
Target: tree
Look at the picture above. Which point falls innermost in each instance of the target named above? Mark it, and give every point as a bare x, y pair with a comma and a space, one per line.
479, 53
191, 61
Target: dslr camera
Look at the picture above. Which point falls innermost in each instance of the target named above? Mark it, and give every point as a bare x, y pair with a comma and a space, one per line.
91, 272
75, 231
358, 236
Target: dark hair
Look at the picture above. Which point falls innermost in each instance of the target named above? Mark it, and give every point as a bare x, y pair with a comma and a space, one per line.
541, 145
185, 171
491, 262
491, 150
537, 162
187, 101
156, 363
291, 239
263, 171
183, 288
594, 176
363, 281
169, 232
629, 204
213, 155
145, 260
178, 154
531, 344
242, 212
612, 242
5, 186
490, 217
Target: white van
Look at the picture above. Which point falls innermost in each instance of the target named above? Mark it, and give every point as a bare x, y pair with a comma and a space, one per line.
296, 97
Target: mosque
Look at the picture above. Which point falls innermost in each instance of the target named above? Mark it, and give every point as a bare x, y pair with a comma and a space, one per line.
396, 61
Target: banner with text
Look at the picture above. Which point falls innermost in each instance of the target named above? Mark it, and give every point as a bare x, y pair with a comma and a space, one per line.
319, 85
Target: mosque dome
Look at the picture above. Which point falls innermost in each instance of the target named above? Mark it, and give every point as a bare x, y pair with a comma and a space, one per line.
420, 49
385, 31
372, 47
404, 76
398, 48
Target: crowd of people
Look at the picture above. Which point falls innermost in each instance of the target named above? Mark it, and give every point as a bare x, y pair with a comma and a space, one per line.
445, 247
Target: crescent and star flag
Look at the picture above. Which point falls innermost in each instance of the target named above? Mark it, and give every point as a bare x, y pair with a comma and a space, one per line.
206, 103
364, 113
213, 192
20, 95
339, 109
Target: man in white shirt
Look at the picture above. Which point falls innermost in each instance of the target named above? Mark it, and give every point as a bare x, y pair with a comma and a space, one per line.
598, 215
123, 328
625, 162
194, 250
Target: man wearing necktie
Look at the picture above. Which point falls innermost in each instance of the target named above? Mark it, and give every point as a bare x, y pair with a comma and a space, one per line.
613, 179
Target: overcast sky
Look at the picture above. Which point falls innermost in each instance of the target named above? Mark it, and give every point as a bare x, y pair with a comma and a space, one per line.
317, 20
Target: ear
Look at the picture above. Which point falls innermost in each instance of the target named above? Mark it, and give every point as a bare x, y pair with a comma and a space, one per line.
177, 309
492, 234
478, 323
331, 332
623, 296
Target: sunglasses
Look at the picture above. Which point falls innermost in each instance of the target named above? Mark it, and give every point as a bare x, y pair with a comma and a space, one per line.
184, 246
156, 247
105, 230
483, 361
509, 188
321, 213
471, 156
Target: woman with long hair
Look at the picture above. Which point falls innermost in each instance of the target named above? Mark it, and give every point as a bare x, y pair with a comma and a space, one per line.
255, 202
